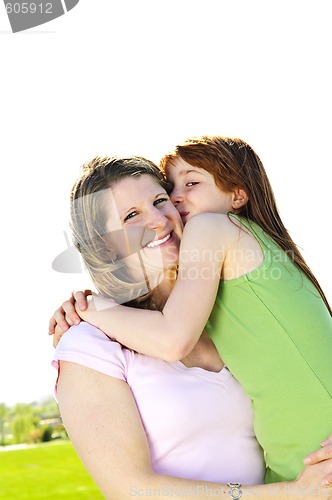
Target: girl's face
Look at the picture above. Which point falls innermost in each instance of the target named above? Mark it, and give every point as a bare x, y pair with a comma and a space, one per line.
143, 226
195, 191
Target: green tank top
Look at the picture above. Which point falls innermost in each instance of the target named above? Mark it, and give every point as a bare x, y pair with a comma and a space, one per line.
274, 332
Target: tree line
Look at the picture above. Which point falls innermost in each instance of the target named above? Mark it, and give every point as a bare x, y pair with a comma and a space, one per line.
30, 423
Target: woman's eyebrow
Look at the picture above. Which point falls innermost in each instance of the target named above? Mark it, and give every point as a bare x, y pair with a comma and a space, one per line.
129, 209
126, 212
135, 208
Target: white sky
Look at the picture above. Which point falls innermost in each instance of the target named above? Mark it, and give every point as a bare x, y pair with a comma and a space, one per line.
136, 77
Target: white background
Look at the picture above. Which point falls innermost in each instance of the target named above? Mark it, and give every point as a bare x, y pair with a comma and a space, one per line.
136, 77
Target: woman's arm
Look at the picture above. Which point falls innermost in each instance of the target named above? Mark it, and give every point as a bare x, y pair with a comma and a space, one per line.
172, 333
104, 425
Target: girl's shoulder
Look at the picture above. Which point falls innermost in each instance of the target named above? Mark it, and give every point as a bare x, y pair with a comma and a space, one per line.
210, 219
221, 236
225, 225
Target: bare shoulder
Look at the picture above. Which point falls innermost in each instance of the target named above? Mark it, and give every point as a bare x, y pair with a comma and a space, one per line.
209, 231
215, 223
207, 219
224, 236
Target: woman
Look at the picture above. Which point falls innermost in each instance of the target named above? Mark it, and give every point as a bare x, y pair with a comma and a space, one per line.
204, 434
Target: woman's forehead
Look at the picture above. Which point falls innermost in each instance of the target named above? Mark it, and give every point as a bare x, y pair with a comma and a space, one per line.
136, 187
130, 192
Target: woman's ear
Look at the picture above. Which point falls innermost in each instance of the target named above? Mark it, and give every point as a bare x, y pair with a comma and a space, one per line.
107, 250
240, 199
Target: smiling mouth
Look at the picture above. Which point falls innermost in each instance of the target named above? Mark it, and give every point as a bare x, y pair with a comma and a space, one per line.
156, 243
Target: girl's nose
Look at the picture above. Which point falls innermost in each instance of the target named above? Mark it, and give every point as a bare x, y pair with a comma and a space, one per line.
176, 196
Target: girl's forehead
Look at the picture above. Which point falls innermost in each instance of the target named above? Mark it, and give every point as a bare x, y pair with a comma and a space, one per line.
180, 168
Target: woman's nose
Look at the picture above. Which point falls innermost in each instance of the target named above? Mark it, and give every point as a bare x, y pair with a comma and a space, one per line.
156, 219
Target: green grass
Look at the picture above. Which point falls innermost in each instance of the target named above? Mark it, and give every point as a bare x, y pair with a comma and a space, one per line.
48, 471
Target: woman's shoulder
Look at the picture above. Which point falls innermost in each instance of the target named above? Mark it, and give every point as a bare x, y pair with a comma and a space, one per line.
87, 345
82, 334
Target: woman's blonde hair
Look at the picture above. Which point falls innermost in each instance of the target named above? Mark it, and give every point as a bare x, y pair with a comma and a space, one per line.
88, 227
234, 164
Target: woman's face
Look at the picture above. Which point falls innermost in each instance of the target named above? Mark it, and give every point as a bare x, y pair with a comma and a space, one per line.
143, 226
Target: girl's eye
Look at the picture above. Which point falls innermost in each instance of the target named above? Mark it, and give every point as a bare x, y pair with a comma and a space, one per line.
190, 184
130, 216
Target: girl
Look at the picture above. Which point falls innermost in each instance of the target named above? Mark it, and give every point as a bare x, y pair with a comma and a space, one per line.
241, 276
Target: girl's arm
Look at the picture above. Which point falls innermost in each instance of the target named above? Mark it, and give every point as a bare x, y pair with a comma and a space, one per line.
172, 333
103, 423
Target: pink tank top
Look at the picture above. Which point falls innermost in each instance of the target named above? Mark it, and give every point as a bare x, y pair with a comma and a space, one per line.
199, 424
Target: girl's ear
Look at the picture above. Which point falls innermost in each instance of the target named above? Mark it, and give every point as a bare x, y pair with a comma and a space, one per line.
239, 199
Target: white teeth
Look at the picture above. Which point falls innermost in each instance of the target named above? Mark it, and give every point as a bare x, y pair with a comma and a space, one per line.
158, 242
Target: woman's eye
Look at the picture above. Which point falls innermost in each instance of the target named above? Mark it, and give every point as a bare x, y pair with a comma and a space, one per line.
160, 200
190, 184
130, 216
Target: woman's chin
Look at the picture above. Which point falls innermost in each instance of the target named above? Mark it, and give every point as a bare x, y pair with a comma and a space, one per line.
156, 278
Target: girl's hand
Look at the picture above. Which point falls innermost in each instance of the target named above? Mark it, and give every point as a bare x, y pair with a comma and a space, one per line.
68, 313
315, 481
97, 306
58, 332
